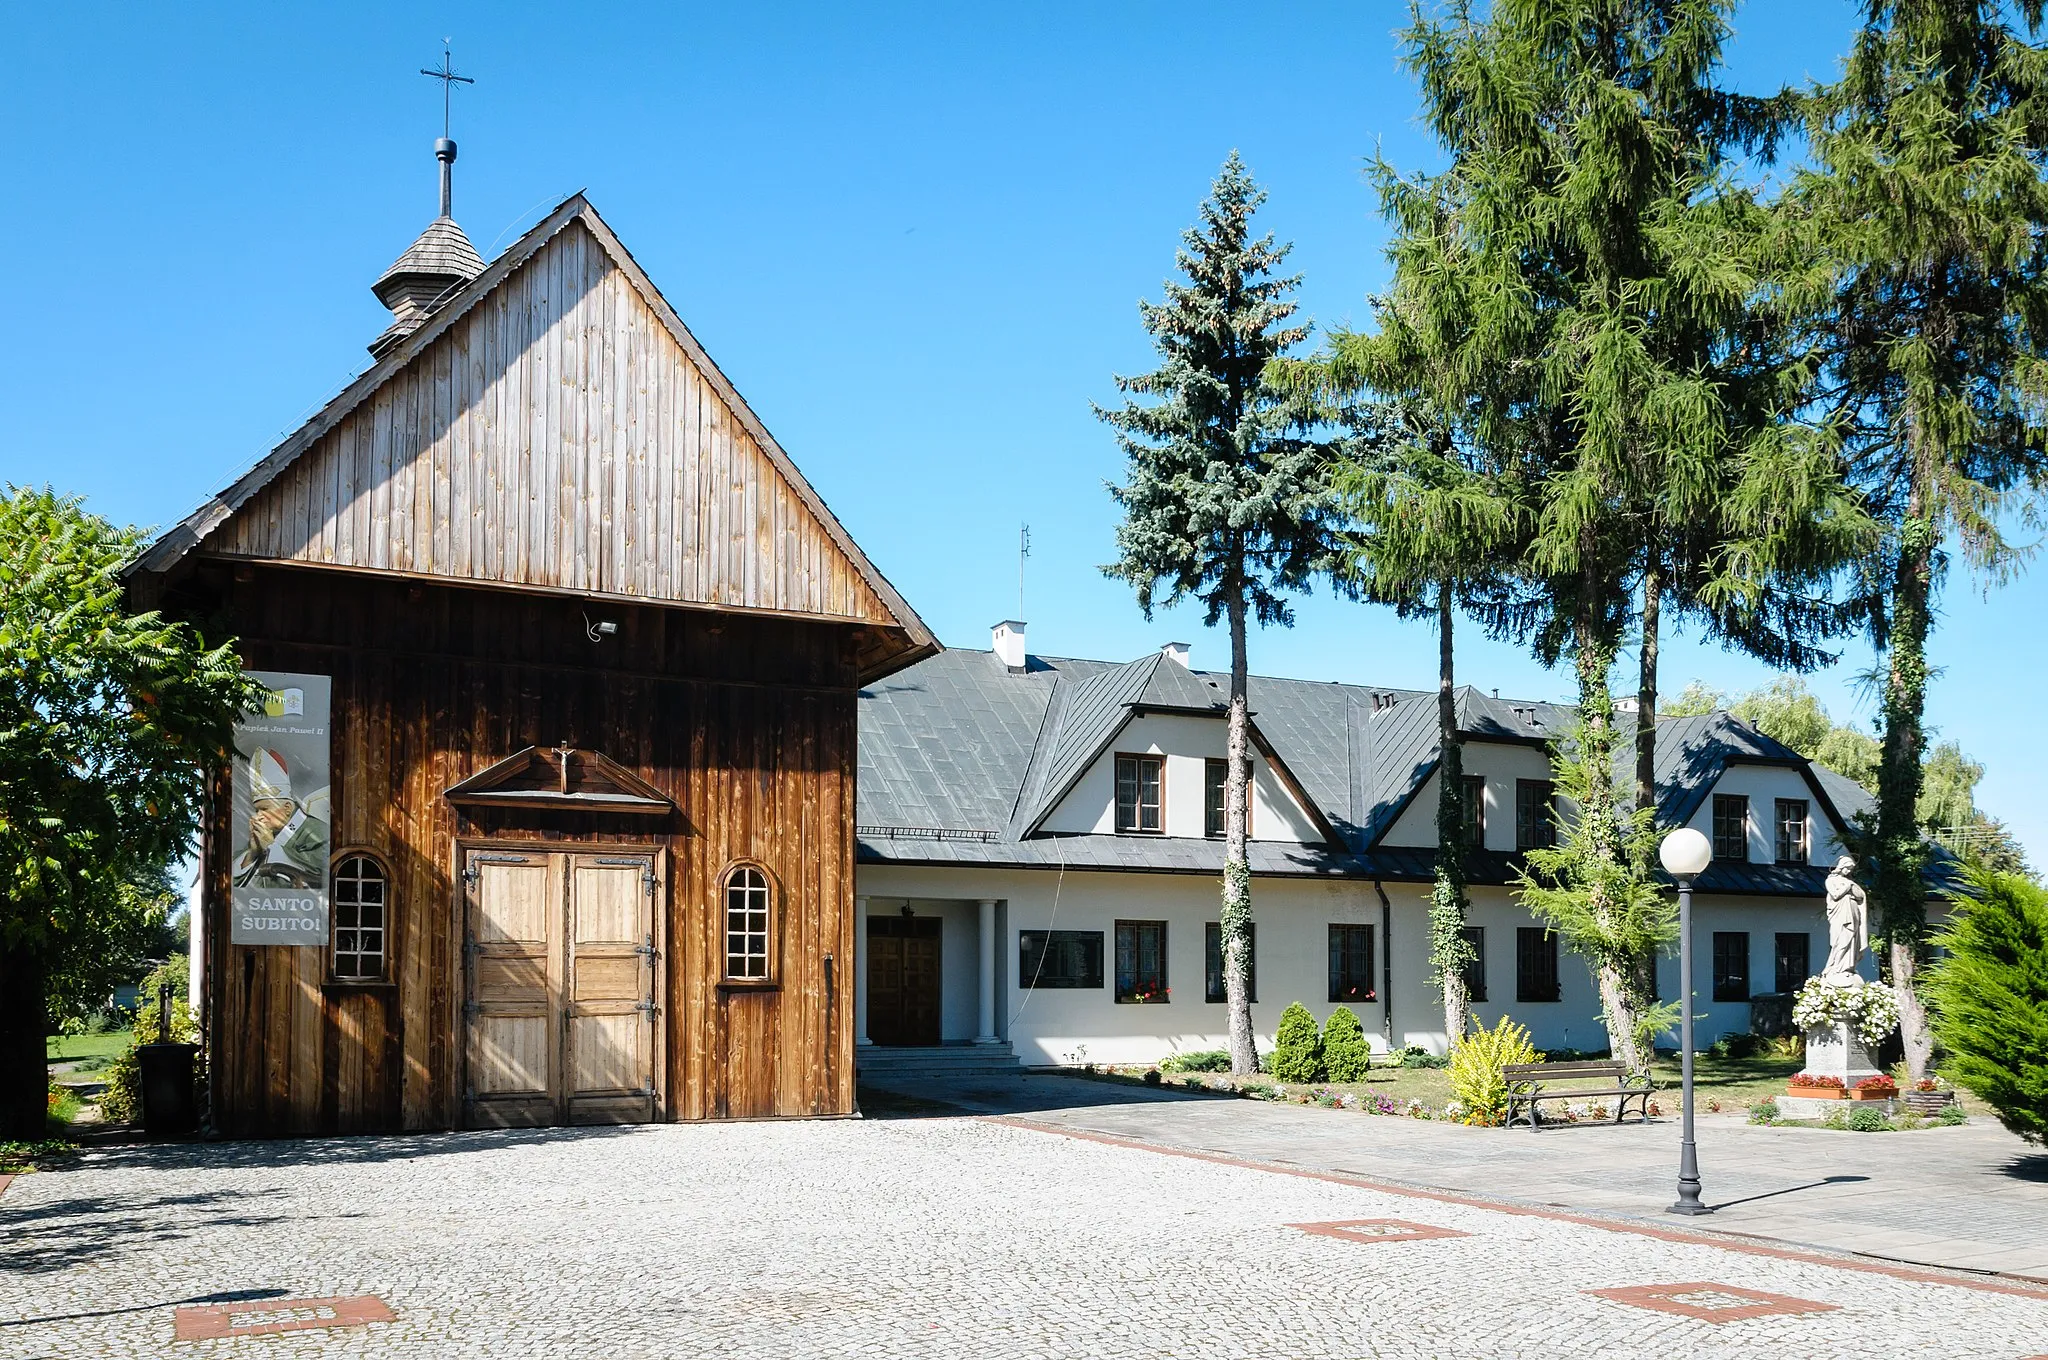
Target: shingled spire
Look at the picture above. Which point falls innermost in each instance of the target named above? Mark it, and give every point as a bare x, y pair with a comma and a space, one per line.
442, 259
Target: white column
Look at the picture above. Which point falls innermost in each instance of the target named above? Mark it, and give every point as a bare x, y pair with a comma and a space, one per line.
860, 971
986, 1034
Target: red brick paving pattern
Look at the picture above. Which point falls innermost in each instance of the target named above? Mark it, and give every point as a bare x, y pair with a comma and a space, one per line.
1378, 1230
1712, 1302
267, 1317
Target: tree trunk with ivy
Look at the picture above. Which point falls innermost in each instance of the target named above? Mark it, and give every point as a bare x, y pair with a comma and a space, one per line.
1449, 951
1900, 888
1237, 872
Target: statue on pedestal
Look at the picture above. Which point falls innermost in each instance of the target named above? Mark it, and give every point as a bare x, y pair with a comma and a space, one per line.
1848, 911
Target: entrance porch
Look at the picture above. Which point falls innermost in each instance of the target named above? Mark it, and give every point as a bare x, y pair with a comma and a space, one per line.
927, 988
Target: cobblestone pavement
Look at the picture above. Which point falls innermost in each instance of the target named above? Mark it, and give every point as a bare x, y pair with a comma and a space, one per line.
1967, 1198
888, 1237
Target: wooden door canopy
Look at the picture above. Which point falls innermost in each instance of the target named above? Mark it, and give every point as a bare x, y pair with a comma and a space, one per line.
561, 777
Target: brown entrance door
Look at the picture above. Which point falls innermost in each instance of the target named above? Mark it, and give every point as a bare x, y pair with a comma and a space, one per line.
903, 979
562, 1023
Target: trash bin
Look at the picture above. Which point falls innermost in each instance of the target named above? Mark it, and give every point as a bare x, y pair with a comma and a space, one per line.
170, 1108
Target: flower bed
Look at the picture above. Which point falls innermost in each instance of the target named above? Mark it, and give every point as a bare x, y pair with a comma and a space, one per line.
1879, 1087
1812, 1087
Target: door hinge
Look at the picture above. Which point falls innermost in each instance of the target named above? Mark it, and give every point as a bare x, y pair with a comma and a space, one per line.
648, 1009
634, 863
470, 1009
472, 874
647, 951
648, 881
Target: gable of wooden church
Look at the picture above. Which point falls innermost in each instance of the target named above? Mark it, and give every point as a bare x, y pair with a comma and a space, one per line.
559, 435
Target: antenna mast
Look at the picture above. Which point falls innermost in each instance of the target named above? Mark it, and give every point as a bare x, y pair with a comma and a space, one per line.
1023, 551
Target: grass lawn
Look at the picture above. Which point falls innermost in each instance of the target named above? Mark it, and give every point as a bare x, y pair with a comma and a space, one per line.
73, 1048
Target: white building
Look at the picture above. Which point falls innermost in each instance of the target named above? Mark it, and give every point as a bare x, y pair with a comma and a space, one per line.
1040, 858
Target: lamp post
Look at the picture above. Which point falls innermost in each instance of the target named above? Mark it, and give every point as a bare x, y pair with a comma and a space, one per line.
1686, 854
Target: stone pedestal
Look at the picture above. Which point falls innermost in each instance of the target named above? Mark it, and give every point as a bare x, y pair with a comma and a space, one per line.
1835, 1050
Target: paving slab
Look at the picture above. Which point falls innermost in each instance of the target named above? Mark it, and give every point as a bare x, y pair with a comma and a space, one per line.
1972, 1197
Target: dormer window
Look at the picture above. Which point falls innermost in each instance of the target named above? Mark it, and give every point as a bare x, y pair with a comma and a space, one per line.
1140, 786
1472, 789
1216, 772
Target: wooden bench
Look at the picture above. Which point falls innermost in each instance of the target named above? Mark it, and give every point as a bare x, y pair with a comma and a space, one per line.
1526, 1086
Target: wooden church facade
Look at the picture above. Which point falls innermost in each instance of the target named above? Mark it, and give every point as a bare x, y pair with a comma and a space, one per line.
594, 647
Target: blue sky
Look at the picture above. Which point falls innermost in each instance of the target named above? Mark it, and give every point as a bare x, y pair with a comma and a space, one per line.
913, 237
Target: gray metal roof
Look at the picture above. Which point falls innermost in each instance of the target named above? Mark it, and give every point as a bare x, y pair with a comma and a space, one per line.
961, 759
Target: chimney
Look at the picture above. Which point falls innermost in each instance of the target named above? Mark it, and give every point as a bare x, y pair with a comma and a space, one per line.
1177, 651
1008, 640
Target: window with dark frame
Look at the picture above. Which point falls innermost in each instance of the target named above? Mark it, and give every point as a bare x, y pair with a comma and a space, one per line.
1731, 827
1472, 809
1059, 958
1475, 966
1140, 786
1535, 814
362, 920
1351, 964
1535, 964
1212, 966
1792, 840
1731, 965
1794, 962
746, 924
1214, 773
1141, 962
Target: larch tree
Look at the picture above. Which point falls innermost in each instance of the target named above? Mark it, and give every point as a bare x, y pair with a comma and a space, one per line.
1226, 500
1926, 209
1426, 523
110, 726
1596, 271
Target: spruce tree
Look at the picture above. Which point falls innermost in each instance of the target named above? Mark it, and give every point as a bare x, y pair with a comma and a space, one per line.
1926, 209
1226, 500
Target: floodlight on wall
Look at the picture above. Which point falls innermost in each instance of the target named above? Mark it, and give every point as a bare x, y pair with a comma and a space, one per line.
600, 630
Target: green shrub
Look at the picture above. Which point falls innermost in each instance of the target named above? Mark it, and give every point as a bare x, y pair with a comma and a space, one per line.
1476, 1067
1990, 998
1734, 1046
1763, 1111
122, 1100
1346, 1056
1202, 1060
1151, 1077
1951, 1115
1297, 1047
1869, 1119
1415, 1055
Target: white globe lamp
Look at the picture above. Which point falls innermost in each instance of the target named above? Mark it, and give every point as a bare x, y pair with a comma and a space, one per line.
1686, 854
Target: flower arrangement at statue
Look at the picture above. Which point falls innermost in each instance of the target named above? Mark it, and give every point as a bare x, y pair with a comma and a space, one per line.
1880, 1082
1807, 1081
1868, 1006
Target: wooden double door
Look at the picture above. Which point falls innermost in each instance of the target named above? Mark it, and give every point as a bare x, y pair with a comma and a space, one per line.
903, 979
562, 1014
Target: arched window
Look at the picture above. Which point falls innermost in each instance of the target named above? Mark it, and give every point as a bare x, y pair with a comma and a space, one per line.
362, 920
746, 924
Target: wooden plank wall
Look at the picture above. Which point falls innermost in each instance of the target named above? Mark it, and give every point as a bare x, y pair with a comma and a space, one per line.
748, 724
557, 436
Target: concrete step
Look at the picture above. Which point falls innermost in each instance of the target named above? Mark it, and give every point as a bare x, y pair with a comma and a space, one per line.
943, 1061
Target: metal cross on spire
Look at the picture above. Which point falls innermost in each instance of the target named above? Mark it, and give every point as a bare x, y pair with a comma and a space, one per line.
446, 75
444, 150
